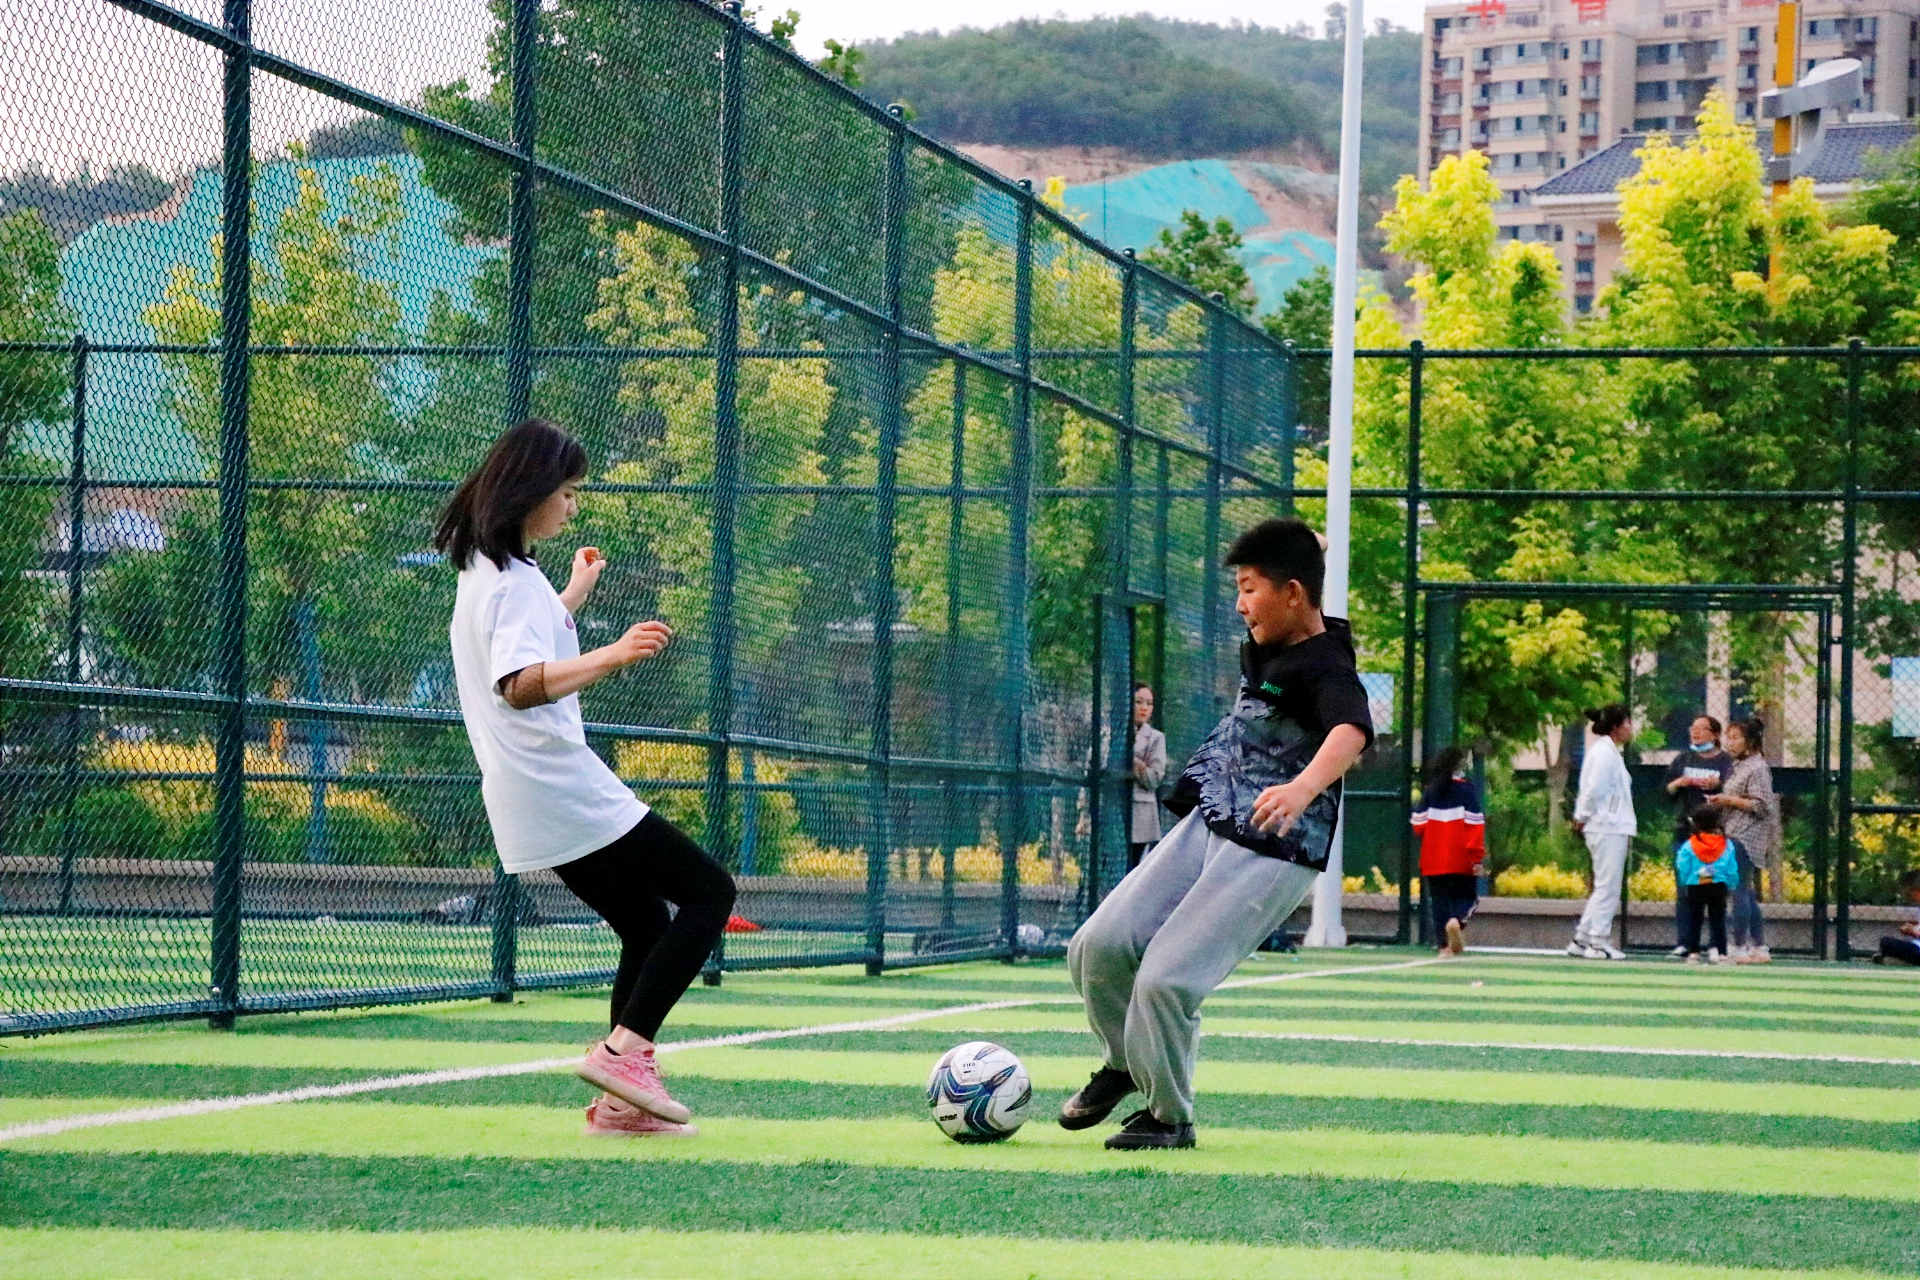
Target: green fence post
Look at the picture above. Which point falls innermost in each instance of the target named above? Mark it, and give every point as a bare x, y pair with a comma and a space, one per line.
1211, 704
1019, 506
76, 603
1438, 721
1112, 707
1629, 754
1289, 419
885, 505
230, 637
950, 677
1850, 555
1162, 521
504, 902
1409, 638
726, 457
1822, 779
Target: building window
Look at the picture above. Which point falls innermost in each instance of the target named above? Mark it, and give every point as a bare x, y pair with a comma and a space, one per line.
1866, 28
1650, 91
1653, 55
1649, 124
1589, 123
1671, 20
1559, 233
1584, 237
1744, 111
1748, 76
1590, 50
1583, 303
1589, 86
1583, 268
1749, 39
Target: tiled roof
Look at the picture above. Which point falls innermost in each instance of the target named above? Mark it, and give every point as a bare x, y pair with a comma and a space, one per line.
1599, 173
1847, 155
1850, 150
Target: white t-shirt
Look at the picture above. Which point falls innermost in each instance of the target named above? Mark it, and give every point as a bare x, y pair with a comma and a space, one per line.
549, 798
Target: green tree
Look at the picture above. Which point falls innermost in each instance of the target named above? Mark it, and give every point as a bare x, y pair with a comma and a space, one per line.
34, 389
1305, 318
322, 562
1105, 82
1698, 236
1206, 256
1525, 668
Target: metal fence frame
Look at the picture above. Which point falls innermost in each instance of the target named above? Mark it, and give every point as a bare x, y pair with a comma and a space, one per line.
899, 347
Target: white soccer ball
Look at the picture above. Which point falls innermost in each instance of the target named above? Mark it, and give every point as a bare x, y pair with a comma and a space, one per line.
979, 1092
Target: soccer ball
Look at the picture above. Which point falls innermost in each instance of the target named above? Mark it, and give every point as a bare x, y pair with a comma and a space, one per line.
979, 1093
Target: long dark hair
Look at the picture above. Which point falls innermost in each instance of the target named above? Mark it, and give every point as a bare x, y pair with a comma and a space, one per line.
1440, 770
488, 512
1608, 718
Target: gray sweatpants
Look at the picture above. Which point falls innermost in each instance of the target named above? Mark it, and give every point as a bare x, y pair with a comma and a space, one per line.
1169, 933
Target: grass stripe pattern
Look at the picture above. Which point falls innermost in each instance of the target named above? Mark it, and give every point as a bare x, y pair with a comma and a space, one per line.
1344, 1156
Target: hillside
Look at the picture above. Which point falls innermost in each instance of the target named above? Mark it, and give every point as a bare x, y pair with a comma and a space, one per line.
1390, 92
1102, 83
1154, 88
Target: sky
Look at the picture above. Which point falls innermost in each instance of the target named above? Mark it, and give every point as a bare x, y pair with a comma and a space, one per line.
88, 83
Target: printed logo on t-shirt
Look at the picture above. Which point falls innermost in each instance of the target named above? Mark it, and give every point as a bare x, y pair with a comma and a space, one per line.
1691, 775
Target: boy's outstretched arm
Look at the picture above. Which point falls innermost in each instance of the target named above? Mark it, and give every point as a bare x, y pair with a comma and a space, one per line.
1278, 808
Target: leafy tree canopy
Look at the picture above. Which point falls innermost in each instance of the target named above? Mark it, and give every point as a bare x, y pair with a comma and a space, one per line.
1106, 82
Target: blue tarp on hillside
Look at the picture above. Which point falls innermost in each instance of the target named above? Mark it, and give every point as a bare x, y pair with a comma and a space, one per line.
114, 271
1131, 211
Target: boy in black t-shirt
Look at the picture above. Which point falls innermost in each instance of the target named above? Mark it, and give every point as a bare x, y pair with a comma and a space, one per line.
1260, 798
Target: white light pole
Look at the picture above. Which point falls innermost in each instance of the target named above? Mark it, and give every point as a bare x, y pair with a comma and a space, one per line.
1326, 929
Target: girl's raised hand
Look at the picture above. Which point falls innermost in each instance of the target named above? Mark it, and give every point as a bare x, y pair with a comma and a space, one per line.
588, 564
643, 640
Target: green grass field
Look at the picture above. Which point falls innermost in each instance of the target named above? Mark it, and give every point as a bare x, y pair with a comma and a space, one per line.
1500, 1116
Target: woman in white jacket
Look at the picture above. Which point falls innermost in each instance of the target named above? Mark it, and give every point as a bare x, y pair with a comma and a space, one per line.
1603, 813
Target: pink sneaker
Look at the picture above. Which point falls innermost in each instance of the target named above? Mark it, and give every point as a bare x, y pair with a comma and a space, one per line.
608, 1117
633, 1078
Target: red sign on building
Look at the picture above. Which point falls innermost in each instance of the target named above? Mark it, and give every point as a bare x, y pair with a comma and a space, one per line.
1590, 10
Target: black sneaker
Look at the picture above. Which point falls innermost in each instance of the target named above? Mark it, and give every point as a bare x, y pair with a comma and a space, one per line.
1142, 1131
1096, 1099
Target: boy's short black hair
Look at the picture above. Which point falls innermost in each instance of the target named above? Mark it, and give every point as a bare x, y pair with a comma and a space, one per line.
1284, 549
1706, 820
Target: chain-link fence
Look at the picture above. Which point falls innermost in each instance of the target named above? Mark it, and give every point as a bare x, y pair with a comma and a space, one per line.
924, 478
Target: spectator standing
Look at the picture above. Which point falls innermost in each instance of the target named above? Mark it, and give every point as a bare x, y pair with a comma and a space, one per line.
1903, 945
1752, 815
1149, 767
1453, 848
1695, 774
1603, 815
1709, 869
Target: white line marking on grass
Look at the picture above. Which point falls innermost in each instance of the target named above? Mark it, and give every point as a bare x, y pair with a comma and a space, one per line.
454, 1075
1760, 1054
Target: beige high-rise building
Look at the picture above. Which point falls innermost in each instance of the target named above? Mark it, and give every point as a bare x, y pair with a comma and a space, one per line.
1544, 85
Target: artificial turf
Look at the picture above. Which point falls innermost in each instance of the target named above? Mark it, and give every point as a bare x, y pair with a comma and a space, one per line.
1343, 1156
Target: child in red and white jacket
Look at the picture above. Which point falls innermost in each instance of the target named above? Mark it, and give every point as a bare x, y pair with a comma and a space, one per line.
1453, 848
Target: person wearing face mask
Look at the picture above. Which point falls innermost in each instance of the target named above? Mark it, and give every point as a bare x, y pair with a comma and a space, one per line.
1695, 776
1149, 767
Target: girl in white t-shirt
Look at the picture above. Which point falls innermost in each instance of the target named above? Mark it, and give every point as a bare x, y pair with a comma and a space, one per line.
552, 802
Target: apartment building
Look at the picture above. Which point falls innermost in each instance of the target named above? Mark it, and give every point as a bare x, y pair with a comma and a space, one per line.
1542, 85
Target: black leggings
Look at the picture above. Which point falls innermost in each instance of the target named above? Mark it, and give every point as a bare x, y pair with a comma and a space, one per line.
630, 883
1710, 899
